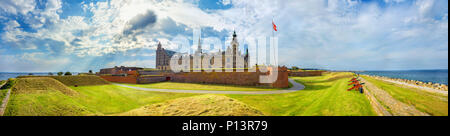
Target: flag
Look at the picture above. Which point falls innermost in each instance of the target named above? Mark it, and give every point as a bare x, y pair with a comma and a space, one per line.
274, 26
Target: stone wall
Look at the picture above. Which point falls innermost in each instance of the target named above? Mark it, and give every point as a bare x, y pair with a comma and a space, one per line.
134, 79
230, 78
436, 86
121, 79
152, 79
224, 78
306, 73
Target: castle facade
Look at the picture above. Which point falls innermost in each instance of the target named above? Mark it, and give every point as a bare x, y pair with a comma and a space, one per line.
232, 57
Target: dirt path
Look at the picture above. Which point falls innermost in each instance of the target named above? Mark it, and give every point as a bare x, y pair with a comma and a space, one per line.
5, 102
396, 108
296, 87
379, 109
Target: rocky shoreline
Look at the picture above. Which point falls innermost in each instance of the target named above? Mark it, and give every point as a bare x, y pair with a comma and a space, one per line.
431, 85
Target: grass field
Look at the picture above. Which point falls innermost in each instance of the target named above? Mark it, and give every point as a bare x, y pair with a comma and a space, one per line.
82, 80
4, 89
44, 97
323, 96
431, 103
203, 105
190, 86
2, 95
110, 99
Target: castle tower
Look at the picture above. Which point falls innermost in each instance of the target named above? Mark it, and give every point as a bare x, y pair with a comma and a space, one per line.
235, 46
159, 46
199, 47
158, 56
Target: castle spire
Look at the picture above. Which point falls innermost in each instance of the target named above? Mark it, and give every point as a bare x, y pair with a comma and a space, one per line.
159, 46
199, 48
234, 34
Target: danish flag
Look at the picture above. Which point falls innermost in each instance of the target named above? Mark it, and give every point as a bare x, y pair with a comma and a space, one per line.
274, 26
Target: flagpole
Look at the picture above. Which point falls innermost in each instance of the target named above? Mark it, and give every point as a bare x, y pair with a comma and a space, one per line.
273, 35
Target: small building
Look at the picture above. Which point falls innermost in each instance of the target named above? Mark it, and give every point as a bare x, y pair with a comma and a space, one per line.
118, 70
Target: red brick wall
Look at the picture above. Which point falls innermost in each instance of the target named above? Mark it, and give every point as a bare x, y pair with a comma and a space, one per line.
121, 79
152, 79
230, 78
283, 78
305, 73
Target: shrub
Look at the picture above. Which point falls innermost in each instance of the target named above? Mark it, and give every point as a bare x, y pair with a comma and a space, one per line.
60, 73
50, 73
90, 72
68, 74
10, 83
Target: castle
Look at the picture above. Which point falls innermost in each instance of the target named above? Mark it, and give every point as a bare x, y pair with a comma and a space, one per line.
230, 57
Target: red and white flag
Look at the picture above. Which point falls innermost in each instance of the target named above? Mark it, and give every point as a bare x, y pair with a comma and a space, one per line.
274, 26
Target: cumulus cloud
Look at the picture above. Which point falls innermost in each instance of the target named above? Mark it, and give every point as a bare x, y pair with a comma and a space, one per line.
17, 6
140, 22
319, 33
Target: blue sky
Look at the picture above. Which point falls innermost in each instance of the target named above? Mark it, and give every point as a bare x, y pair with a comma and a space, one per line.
78, 35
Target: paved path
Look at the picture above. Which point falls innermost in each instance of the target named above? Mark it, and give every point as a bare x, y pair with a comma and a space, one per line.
296, 87
396, 107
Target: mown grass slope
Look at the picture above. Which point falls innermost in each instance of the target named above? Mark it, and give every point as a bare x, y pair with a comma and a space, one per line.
2, 95
192, 86
81, 80
5, 85
323, 96
203, 105
431, 103
48, 97
110, 99
43, 97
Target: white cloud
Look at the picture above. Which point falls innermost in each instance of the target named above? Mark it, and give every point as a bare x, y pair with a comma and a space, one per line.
321, 33
17, 6
226, 2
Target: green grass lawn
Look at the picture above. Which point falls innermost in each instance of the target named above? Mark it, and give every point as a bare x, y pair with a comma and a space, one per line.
2, 95
109, 99
191, 86
43, 97
431, 103
324, 96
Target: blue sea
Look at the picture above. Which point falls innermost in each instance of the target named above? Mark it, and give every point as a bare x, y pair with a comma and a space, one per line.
7, 75
435, 76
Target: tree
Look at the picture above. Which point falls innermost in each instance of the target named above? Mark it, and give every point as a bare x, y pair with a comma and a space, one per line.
60, 73
90, 71
68, 73
50, 73
295, 68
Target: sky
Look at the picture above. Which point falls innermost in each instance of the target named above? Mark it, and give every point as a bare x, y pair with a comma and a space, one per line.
77, 35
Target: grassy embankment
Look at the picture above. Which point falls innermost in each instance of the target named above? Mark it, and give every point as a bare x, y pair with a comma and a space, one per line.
48, 97
4, 89
323, 96
203, 105
84, 80
192, 86
431, 103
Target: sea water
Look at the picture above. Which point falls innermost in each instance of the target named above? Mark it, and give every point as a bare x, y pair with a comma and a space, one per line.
434, 76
